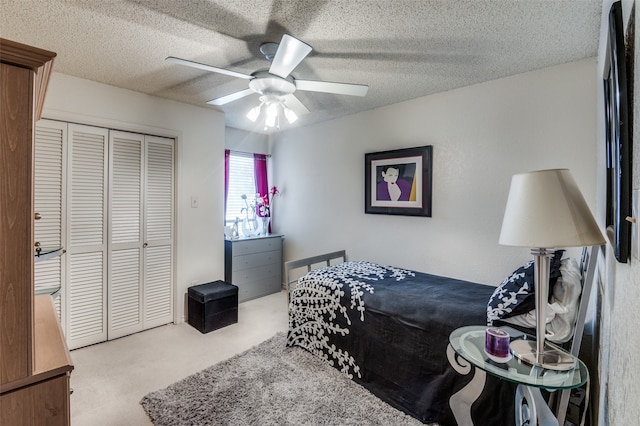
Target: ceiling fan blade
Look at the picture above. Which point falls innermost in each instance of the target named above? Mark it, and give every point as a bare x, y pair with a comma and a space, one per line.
290, 53
230, 98
295, 104
331, 87
205, 67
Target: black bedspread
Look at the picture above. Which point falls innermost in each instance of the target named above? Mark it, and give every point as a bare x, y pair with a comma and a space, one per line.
388, 329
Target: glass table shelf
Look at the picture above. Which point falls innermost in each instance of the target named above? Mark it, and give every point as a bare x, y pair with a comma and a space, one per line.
40, 255
469, 343
45, 253
51, 290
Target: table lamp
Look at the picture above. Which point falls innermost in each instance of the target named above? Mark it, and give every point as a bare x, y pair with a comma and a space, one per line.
546, 210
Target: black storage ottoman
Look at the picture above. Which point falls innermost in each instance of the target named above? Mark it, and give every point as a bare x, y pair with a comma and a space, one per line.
213, 305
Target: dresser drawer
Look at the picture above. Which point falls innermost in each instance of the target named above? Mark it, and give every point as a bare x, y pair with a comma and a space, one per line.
256, 259
257, 274
259, 288
241, 248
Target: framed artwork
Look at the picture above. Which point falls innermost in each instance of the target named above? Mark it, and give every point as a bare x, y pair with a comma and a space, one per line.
618, 136
398, 182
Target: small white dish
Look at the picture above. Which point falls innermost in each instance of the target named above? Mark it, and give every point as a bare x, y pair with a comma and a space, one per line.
499, 359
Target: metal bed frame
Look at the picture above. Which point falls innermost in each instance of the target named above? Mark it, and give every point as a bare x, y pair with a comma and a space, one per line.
309, 263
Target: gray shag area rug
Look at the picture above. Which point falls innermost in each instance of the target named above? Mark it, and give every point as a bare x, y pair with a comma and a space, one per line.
270, 384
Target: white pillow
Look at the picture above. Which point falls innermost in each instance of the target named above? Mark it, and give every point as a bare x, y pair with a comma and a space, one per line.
563, 309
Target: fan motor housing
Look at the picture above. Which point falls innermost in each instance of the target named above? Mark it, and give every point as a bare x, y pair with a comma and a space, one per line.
266, 83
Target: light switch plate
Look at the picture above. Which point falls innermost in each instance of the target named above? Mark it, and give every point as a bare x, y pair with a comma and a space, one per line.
635, 234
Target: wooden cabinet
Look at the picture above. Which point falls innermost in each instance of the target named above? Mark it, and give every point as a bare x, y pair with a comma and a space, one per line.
16, 216
254, 265
34, 360
42, 397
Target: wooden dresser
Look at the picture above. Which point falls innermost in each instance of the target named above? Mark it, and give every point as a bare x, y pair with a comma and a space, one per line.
254, 265
34, 360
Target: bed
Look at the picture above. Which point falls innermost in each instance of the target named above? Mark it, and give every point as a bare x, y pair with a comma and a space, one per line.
388, 329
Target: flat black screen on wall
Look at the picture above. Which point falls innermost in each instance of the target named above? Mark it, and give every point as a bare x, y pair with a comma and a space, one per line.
618, 135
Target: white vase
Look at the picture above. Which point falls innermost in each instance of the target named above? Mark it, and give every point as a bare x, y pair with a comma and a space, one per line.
250, 226
265, 225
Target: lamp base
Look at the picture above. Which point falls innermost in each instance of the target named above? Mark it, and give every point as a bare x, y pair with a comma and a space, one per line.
552, 358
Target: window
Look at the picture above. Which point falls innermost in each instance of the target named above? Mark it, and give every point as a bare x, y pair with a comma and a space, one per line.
241, 181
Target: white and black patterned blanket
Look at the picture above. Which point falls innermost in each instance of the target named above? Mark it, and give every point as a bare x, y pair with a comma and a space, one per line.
388, 329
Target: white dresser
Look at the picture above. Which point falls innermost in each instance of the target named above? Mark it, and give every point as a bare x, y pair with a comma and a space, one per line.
254, 265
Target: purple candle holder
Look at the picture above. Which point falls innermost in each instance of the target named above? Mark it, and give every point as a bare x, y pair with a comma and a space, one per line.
497, 344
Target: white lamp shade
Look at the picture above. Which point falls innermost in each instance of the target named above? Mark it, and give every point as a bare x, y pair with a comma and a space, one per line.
291, 116
271, 115
546, 209
254, 113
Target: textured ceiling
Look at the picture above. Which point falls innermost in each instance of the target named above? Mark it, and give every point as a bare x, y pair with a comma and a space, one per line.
402, 49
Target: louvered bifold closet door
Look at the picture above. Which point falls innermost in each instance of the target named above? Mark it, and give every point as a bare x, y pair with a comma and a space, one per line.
125, 233
158, 251
49, 202
87, 236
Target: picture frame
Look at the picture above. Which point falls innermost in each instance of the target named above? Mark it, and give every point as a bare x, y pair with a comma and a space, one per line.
618, 137
398, 182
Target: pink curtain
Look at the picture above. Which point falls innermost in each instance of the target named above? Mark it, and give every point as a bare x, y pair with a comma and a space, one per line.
260, 171
227, 153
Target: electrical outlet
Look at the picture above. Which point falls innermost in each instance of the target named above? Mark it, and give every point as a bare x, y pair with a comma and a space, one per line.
194, 202
635, 233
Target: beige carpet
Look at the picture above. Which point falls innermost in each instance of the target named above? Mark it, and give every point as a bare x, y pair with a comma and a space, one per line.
111, 378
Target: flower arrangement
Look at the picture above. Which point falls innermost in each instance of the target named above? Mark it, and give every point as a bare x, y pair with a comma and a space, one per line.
258, 207
266, 201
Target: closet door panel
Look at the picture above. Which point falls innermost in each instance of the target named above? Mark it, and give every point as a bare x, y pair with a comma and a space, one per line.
159, 190
87, 310
49, 200
125, 233
88, 187
87, 235
124, 293
157, 286
126, 188
159, 213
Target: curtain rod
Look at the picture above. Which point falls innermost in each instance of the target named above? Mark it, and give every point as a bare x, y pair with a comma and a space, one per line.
247, 153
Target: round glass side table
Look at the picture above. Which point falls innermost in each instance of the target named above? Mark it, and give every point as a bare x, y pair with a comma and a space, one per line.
531, 408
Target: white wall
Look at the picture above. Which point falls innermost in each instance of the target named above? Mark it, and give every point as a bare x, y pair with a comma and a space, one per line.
620, 316
481, 136
241, 140
199, 133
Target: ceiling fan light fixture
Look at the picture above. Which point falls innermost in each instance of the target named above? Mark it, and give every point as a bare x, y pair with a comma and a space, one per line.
290, 115
275, 108
253, 113
268, 84
271, 117
275, 85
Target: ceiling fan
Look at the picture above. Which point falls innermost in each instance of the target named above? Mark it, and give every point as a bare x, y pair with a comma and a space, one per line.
276, 85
